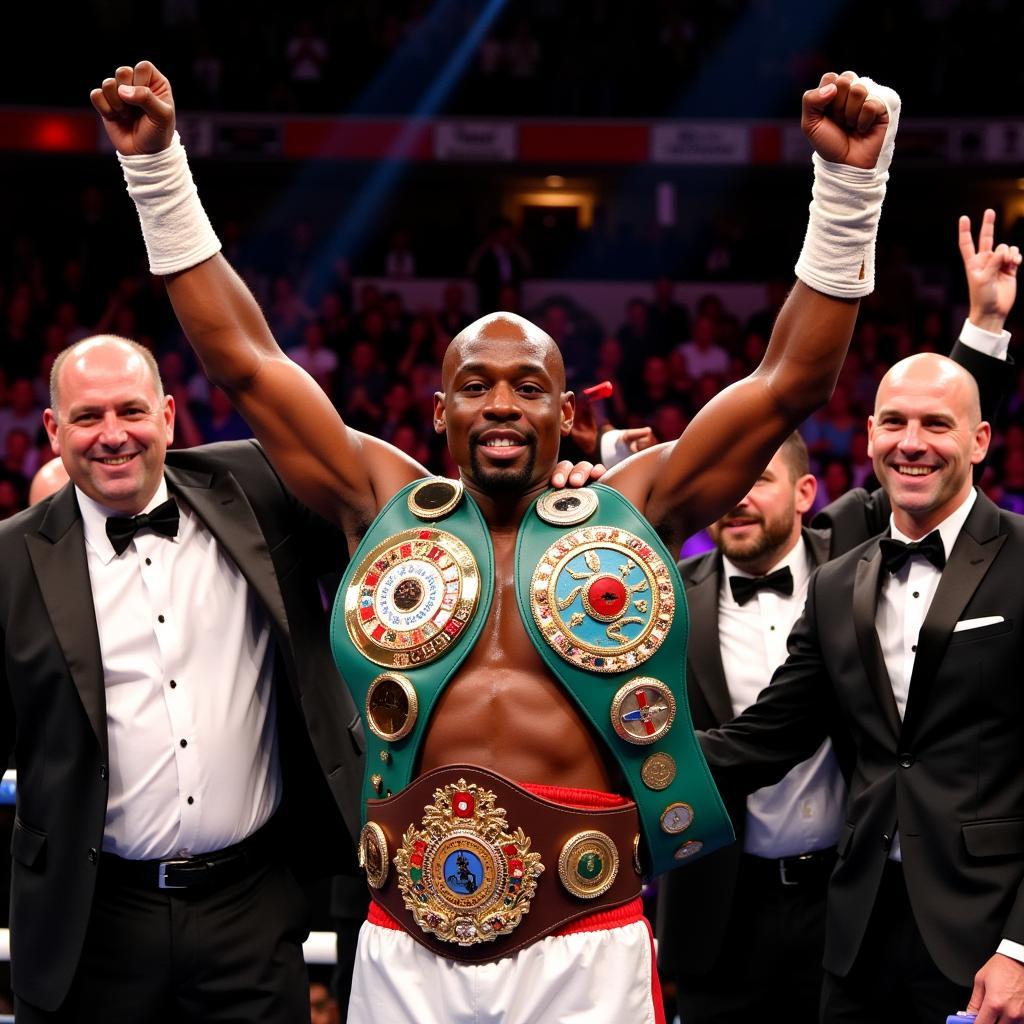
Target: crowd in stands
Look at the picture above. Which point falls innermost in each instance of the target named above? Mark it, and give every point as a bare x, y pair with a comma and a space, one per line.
380, 361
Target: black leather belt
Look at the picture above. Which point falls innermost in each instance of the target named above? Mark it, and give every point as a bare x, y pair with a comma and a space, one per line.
801, 869
219, 867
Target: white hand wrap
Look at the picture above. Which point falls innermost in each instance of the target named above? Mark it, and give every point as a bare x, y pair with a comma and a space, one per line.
175, 228
838, 257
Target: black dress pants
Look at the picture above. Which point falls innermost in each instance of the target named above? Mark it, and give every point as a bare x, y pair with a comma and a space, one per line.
769, 967
894, 979
224, 954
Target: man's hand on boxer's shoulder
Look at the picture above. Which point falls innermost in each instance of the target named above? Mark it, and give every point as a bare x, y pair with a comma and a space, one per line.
566, 474
137, 109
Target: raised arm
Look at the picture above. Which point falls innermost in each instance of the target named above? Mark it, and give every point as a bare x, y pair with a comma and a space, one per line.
344, 475
686, 484
991, 273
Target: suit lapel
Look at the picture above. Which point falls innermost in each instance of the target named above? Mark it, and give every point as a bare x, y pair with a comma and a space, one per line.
817, 542
973, 553
224, 509
57, 553
866, 586
705, 650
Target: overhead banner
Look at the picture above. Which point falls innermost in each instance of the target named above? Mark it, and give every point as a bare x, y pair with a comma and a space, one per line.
694, 142
475, 140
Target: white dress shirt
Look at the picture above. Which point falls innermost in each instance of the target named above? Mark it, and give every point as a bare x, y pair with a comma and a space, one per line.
804, 811
187, 666
903, 603
993, 343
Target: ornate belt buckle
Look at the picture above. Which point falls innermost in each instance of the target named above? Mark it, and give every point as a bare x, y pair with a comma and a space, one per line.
464, 877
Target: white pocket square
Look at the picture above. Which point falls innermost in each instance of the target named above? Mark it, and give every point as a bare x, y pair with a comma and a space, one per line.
985, 620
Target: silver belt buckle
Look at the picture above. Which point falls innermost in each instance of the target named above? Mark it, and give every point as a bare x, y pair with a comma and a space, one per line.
782, 872
161, 878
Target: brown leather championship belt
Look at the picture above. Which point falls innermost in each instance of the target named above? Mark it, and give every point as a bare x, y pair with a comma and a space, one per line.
474, 867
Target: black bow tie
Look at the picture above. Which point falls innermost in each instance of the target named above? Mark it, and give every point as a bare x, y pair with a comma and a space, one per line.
163, 519
895, 553
745, 587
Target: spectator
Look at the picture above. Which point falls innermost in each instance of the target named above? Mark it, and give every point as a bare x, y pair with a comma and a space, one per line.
219, 421
400, 260
323, 1007
314, 357
669, 320
702, 354
10, 500
499, 260
22, 413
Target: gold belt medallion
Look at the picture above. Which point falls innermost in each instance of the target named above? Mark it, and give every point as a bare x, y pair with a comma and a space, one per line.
602, 599
464, 877
411, 597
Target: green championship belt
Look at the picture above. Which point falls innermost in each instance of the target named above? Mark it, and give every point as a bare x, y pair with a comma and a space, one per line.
604, 605
599, 596
409, 609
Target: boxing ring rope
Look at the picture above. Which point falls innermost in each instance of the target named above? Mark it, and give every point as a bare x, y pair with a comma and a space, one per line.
319, 948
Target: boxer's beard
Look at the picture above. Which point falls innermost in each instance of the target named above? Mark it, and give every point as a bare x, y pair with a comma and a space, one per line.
499, 479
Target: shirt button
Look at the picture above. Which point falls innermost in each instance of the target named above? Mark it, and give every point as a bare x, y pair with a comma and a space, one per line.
906, 760
149, 561
93, 855
191, 801
184, 743
917, 593
772, 628
173, 683
913, 647
159, 618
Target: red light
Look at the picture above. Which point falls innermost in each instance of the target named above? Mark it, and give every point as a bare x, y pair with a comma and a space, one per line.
54, 133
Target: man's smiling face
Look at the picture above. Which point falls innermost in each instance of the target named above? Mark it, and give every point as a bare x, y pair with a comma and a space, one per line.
924, 438
503, 406
113, 425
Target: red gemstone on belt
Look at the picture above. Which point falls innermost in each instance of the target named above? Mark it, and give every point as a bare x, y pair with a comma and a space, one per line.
463, 805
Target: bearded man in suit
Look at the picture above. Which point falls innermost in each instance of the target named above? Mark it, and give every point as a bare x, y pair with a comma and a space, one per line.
761, 900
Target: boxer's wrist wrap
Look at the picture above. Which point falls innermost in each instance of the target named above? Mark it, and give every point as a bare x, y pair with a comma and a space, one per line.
175, 228
838, 257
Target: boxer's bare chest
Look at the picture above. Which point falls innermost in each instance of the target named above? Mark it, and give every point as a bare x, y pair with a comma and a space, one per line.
505, 711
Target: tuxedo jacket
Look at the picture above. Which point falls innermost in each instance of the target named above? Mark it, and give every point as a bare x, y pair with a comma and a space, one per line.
949, 776
694, 902
52, 701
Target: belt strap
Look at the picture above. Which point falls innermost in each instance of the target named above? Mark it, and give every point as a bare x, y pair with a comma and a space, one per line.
547, 825
204, 869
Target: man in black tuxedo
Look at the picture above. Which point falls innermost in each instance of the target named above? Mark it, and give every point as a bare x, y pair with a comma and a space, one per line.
913, 643
760, 901
991, 273
763, 945
180, 732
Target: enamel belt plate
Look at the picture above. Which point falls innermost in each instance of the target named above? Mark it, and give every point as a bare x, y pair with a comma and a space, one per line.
464, 877
602, 599
411, 597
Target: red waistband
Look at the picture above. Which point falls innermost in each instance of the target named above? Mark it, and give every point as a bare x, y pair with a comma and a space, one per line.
628, 913
616, 917
587, 799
